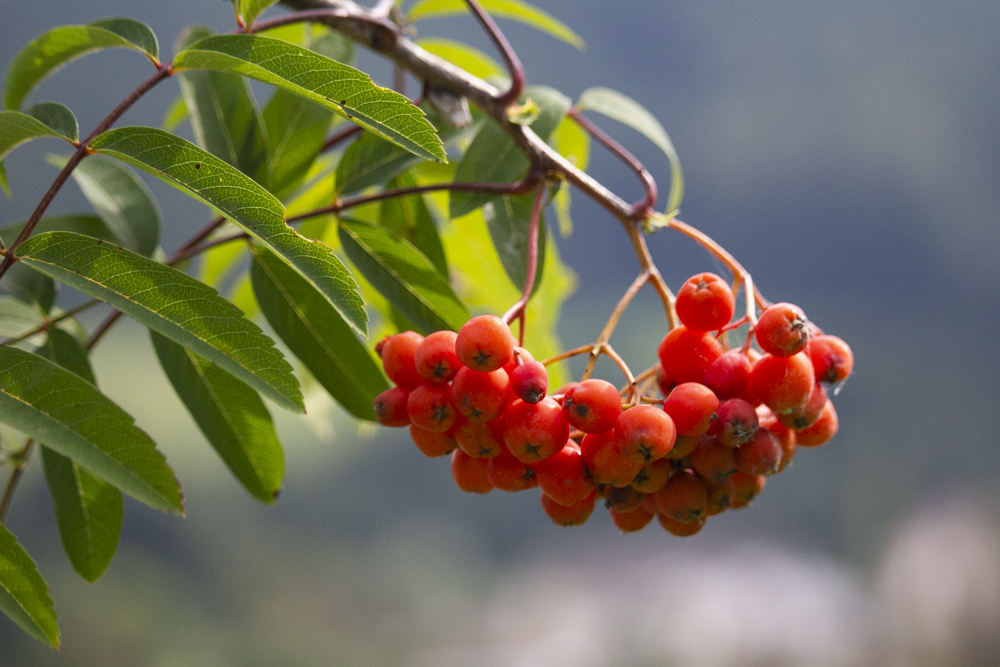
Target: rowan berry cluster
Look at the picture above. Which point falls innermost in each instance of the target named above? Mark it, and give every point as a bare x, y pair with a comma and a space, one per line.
726, 421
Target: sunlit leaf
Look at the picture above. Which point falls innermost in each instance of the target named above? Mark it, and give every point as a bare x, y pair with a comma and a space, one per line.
573, 143
123, 201
202, 175
229, 413
17, 128
24, 595
60, 46
58, 117
508, 9
176, 114
170, 302
403, 275
54, 406
625, 110
472, 60
317, 335
251, 9
4, 183
410, 218
296, 130
320, 79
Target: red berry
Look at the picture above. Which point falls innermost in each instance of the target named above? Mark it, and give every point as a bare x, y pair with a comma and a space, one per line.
519, 352
469, 473
606, 461
786, 438
691, 405
831, 357
736, 422
430, 443
623, 498
705, 303
574, 515
508, 474
678, 528
760, 456
592, 406
729, 375
534, 432
390, 407
480, 396
632, 521
745, 488
398, 359
685, 355
563, 477
435, 358
663, 383
683, 498
530, 381
652, 476
782, 383
683, 446
821, 431
485, 343
720, 497
782, 330
645, 433
806, 416
713, 460
479, 440
429, 407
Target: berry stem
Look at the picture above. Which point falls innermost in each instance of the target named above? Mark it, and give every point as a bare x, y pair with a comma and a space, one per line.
15, 477
518, 310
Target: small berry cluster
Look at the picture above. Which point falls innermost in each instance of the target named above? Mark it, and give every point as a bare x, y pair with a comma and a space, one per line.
728, 419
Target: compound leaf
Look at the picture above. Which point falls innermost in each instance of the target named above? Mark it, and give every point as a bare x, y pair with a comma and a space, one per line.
24, 595
410, 218
316, 334
407, 279
229, 413
68, 414
207, 178
508, 9
170, 302
627, 111
296, 130
60, 46
340, 87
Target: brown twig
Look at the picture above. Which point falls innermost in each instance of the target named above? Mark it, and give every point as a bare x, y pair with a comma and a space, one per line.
510, 59
15, 477
49, 323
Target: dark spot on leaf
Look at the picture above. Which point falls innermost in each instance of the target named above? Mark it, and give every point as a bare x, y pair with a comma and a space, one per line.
197, 166
100, 241
343, 102
119, 248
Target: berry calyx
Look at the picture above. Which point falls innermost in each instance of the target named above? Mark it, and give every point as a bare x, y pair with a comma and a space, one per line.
831, 357
485, 343
806, 415
480, 396
652, 476
429, 407
435, 357
746, 487
822, 430
713, 460
592, 406
720, 497
479, 440
533, 432
705, 303
508, 474
736, 422
782, 330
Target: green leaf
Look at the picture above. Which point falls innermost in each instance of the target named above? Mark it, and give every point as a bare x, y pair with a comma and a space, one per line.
410, 218
121, 199
296, 130
507, 218
24, 595
317, 335
170, 302
251, 9
508, 9
209, 179
18, 316
403, 275
473, 61
627, 111
17, 128
54, 406
224, 114
88, 510
230, 414
370, 160
176, 114
573, 143
57, 117
493, 157
4, 183
29, 286
60, 46
344, 89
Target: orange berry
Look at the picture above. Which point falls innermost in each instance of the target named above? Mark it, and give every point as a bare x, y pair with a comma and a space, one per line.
485, 343
469, 473
821, 431
574, 515
782, 330
685, 355
645, 433
705, 303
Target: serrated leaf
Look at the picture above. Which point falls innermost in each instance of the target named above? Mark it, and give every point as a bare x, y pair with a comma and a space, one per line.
58, 117
121, 199
224, 115
370, 160
472, 60
209, 179
493, 157
403, 275
54, 406
176, 114
170, 302
251, 9
508, 9
296, 130
87, 225
317, 335
229, 413
410, 218
24, 595
507, 218
344, 89
17, 128
627, 111
60, 46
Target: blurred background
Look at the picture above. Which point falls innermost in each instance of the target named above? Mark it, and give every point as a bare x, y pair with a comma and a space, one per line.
847, 153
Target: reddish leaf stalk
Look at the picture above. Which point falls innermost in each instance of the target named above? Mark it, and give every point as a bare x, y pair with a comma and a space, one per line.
518, 309
513, 63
